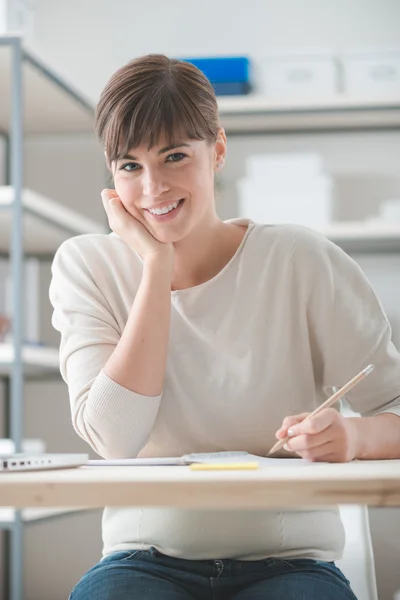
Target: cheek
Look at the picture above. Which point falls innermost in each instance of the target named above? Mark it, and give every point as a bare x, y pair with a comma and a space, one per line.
202, 178
126, 190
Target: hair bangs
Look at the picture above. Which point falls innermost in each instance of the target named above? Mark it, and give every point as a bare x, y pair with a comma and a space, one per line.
162, 117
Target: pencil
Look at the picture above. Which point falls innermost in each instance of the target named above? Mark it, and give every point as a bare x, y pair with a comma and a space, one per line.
328, 403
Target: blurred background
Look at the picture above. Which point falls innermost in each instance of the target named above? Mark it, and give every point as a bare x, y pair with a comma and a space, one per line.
309, 94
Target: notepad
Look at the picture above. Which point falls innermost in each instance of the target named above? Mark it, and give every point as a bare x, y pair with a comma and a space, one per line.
201, 457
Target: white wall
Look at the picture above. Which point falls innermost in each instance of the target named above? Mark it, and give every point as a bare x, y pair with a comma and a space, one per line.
86, 40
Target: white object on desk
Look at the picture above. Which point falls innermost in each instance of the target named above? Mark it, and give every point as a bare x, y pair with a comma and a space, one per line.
22, 461
202, 457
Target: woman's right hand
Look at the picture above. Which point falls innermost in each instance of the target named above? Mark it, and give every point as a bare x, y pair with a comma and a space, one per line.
131, 230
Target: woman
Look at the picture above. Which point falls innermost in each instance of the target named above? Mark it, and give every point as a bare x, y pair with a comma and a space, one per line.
183, 333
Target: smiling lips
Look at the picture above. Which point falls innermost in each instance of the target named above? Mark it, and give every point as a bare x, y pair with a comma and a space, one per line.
166, 212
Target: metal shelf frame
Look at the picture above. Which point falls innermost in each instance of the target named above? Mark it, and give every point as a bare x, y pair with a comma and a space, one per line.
256, 115
17, 368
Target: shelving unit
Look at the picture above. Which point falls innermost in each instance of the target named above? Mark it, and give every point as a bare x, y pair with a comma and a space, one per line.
365, 237
33, 515
244, 115
34, 100
37, 360
46, 223
256, 115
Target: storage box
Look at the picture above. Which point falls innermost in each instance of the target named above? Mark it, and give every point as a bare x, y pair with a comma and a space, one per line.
286, 188
311, 205
229, 75
298, 166
16, 17
231, 88
223, 69
372, 74
298, 77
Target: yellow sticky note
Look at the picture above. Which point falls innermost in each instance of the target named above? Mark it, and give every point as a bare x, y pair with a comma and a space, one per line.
223, 466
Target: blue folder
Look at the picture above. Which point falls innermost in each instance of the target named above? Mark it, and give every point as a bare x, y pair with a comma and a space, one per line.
223, 69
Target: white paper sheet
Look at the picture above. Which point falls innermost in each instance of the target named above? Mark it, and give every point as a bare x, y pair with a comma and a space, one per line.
203, 457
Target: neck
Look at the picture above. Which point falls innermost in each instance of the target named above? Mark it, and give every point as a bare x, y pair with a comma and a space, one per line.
205, 252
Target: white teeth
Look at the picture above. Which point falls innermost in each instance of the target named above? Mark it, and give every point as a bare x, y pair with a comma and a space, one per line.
164, 210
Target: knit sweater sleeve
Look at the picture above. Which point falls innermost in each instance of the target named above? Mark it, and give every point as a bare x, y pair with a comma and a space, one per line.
347, 326
115, 421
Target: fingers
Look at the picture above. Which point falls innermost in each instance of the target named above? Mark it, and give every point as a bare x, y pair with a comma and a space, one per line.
324, 437
314, 424
107, 196
301, 443
319, 453
118, 217
288, 422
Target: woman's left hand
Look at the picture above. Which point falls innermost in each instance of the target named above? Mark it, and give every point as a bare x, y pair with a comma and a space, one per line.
326, 437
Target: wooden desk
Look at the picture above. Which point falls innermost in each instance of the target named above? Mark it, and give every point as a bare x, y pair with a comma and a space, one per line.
375, 483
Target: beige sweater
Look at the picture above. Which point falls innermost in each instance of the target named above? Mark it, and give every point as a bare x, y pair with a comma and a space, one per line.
288, 318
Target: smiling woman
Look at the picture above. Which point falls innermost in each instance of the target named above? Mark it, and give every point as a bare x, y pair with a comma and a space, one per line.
178, 332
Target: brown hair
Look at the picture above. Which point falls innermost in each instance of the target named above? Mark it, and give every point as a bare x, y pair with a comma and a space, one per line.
153, 96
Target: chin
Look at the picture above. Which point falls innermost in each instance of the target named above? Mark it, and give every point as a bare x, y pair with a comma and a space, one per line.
170, 233
169, 237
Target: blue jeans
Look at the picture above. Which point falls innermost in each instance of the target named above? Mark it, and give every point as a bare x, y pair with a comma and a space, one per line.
150, 575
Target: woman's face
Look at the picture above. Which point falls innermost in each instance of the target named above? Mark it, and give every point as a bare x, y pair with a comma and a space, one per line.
170, 189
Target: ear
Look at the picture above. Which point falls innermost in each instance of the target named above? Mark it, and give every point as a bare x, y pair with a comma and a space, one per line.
220, 149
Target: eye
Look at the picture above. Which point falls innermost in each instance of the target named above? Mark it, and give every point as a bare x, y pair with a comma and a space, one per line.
176, 157
132, 167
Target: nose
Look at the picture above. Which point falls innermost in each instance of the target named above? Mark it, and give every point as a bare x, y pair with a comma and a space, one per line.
154, 183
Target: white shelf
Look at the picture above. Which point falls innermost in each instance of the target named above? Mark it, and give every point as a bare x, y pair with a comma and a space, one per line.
31, 515
35, 358
254, 113
373, 236
46, 223
50, 104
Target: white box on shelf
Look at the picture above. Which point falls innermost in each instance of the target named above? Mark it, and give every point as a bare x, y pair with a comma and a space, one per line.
17, 16
300, 166
389, 210
371, 73
300, 76
310, 206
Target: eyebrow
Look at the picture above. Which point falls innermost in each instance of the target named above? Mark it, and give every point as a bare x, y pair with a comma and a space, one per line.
162, 151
